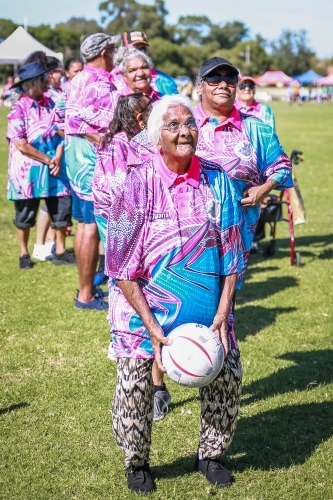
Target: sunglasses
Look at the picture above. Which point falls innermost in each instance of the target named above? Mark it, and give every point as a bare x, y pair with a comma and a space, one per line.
215, 80
243, 86
174, 126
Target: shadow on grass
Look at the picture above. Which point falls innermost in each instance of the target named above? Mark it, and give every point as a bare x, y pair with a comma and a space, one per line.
311, 369
250, 320
274, 439
280, 438
11, 408
172, 406
283, 246
263, 289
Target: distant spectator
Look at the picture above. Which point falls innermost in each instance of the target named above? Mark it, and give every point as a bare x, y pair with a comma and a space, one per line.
35, 167
246, 102
162, 83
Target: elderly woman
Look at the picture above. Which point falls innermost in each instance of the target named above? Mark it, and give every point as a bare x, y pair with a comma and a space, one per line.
133, 72
246, 102
117, 150
35, 167
176, 214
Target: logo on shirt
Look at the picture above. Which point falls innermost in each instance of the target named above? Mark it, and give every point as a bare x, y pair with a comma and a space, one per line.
244, 150
159, 216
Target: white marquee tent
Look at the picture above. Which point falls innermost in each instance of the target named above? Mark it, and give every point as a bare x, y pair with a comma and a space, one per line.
19, 45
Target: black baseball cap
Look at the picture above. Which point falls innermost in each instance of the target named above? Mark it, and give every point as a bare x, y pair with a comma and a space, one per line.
214, 63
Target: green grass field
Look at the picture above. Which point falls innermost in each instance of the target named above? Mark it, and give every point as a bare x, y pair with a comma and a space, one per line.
57, 383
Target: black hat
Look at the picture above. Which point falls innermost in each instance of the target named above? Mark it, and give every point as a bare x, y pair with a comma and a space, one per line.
214, 63
30, 71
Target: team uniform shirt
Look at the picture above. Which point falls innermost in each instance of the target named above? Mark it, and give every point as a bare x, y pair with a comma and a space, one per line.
27, 178
161, 83
259, 110
141, 149
109, 176
58, 115
90, 104
54, 94
176, 235
250, 153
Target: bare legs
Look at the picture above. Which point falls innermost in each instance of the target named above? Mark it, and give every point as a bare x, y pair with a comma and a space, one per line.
86, 242
23, 237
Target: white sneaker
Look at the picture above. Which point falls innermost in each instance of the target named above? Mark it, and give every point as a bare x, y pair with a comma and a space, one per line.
39, 252
111, 353
49, 248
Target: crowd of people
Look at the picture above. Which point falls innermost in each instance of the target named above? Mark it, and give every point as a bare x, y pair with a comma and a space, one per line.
166, 198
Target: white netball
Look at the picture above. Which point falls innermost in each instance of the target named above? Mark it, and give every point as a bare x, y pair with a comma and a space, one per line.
195, 357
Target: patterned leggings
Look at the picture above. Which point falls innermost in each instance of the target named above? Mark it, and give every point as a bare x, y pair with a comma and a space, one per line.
132, 409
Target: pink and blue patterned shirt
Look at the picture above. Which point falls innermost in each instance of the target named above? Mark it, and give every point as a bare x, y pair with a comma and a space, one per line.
27, 178
250, 153
90, 104
177, 235
109, 176
259, 110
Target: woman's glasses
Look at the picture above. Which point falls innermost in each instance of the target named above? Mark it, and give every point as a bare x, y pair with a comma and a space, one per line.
174, 127
243, 86
215, 80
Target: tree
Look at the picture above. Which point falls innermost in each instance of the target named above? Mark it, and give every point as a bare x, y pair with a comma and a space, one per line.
229, 35
259, 60
121, 15
83, 26
63, 40
130, 15
6, 28
192, 29
291, 53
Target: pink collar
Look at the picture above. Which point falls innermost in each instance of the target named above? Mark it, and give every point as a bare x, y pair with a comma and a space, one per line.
98, 70
168, 177
233, 120
255, 106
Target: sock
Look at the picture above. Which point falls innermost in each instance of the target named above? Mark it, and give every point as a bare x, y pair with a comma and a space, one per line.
159, 388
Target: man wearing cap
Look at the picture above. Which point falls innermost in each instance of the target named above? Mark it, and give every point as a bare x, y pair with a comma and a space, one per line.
246, 102
161, 83
245, 147
90, 105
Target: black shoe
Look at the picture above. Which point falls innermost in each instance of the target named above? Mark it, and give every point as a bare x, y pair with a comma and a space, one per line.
254, 247
64, 258
25, 262
214, 472
140, 480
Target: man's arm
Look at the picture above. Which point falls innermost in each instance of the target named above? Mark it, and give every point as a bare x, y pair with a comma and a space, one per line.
134, 296
220, 323
28, 150
255, 195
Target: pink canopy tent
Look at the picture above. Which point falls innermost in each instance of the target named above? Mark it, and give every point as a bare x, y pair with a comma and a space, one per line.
326, 80
274, 78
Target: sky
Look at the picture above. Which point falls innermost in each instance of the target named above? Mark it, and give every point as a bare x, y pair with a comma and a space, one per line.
266, 17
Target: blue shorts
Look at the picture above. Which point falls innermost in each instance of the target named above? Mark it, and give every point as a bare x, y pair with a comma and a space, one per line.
82, 210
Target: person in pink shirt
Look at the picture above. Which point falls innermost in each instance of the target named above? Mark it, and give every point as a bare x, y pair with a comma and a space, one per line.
35, 166
161, 83
130, 117
135, 72
173, 250
90, 106
247, 104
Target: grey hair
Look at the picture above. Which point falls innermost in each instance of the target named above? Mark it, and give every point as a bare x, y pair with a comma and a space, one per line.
160, 109
124, 54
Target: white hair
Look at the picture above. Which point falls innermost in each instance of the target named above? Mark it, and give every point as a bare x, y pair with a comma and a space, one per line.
124, 54
160, 109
